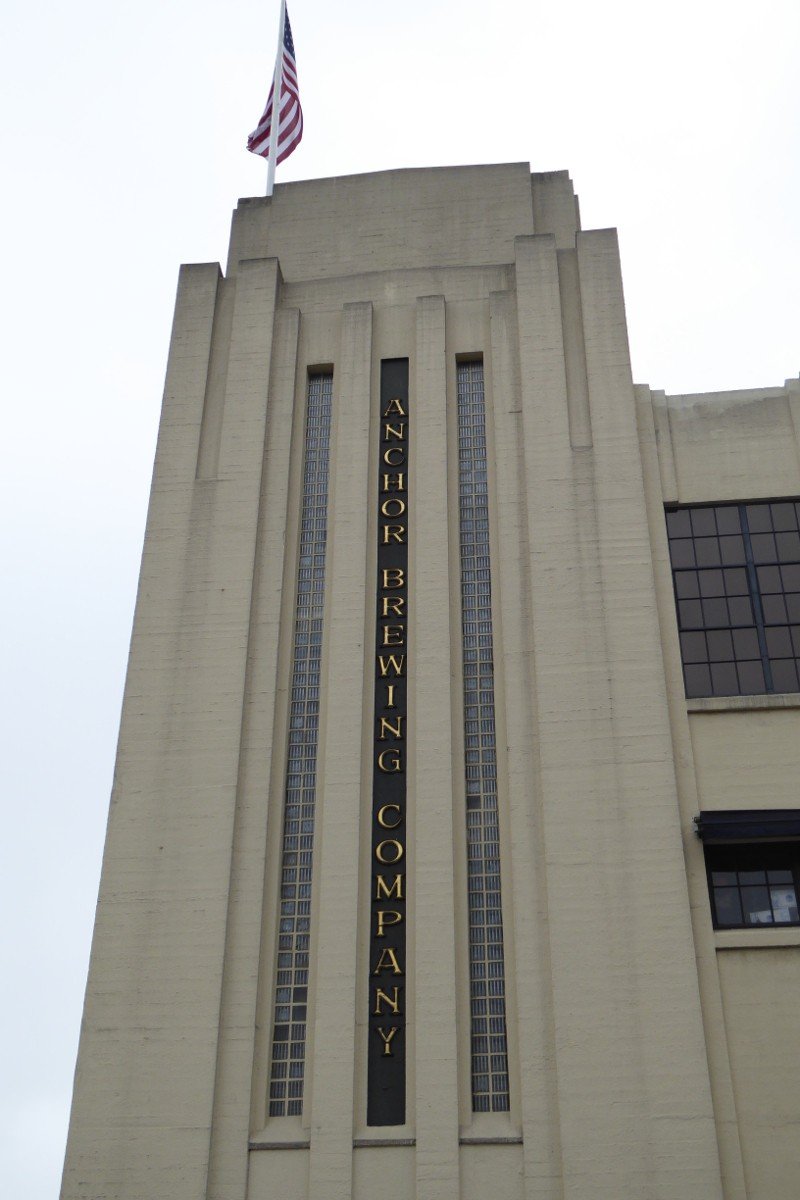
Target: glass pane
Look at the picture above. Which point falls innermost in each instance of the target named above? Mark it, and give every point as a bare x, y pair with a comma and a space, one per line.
681, 552
758, 518
791, 578
769, 579
712, 583
727, 906
788, 546
698, 681
741, 611
686, 585
703, 522
678, 524
752, 877
715, 613
779, 642
784, 905
732, 550
774, 610
690, 614
724, 679
728, 518
745, 643
779, 876
736, 582
751, 678
784, 674
784, 516
720, 646
728, 878
763, 545
756, 905
693, 647
707, 552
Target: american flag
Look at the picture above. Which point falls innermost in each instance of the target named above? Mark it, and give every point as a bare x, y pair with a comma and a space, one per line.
290, 123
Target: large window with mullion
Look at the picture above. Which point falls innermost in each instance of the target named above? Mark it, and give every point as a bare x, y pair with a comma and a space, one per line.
736, 575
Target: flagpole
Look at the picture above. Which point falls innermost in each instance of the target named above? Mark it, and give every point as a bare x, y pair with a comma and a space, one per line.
276, 103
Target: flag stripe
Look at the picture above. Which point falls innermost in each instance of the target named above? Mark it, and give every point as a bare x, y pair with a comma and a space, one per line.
290, 115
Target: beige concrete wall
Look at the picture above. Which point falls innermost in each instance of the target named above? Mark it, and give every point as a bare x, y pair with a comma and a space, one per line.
733, 753
630, 1024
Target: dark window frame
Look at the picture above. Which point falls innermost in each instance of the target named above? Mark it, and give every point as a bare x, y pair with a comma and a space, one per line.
736, 583
732, 867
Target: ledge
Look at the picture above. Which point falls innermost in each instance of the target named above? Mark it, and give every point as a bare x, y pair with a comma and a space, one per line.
743, 703
490, 1141
363, 1143
258, 1145
756, 939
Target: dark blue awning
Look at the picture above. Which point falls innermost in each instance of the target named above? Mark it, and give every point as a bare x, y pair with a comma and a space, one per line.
748, 825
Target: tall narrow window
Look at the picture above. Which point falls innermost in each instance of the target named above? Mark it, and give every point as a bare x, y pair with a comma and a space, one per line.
487, 968
291, 993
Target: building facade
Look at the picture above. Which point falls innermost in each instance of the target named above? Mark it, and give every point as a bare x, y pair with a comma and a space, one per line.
453, 847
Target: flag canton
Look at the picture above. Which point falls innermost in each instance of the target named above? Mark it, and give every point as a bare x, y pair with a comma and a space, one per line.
288, 40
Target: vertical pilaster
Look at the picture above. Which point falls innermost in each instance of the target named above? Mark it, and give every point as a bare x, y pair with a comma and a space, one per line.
538, 1098
431, 781
588, 911
341, 747
232, 1102
660, 964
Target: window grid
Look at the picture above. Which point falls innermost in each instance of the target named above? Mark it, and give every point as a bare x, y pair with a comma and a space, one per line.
753, 885
489, 1043
291, 992
736, 574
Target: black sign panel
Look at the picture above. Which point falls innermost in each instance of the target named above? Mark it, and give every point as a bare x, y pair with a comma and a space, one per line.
386, 1082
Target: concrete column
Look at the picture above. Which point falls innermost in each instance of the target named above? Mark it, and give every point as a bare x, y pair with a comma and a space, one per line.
228, 1171
431, 772
153, 1001
661, 965
538, 1101
339, 770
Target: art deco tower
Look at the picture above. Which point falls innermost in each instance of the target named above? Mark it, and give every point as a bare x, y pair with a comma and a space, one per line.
401, 894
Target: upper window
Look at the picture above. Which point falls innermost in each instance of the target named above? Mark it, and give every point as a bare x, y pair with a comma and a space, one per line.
753, 884
736, 573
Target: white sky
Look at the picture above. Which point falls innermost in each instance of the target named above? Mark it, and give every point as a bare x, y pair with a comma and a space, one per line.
124, 150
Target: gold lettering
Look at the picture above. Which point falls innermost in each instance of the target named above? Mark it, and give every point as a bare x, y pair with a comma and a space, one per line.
388, 962
384, 824
394, 483
393, 606
381, 848
383, 916
393, 533
393, 891
382, 997
395, 406
394, 759
393, 578
394, 662
398, 432
395, 504
387, 1041
390, 695
387, 729
393, 635
390, 460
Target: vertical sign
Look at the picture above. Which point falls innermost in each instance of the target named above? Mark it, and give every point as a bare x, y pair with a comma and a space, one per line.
386, 1078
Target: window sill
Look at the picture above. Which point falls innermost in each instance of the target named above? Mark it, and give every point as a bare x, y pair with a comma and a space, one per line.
743, 703
756, 939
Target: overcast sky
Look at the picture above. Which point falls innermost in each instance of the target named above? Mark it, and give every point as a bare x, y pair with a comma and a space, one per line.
124, 132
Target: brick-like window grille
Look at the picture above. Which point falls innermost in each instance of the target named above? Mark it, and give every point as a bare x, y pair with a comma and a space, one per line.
490, 1091
291, 993
736, 574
